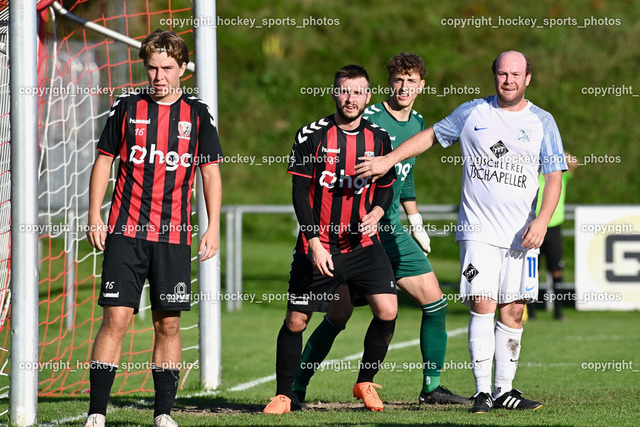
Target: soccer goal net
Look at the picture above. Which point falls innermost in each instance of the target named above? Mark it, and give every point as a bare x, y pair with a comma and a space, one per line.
81, 72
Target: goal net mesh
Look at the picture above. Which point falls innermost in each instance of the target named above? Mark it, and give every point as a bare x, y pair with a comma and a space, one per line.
80, 74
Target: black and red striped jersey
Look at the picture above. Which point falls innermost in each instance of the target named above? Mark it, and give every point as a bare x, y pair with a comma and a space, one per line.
328, 155
159, 145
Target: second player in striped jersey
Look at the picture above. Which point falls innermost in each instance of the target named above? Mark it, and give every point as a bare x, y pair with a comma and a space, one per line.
338, 241
412, 269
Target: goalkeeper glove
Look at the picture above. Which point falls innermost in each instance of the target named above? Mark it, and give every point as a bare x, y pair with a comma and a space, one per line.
418, 232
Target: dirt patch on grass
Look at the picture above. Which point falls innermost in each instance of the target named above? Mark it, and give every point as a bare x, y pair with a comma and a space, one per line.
235, 408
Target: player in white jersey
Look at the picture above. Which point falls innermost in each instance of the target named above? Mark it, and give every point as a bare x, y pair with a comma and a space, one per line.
505, 142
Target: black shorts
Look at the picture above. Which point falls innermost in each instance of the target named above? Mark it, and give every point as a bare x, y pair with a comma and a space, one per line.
365, 271
128, 262
552, 248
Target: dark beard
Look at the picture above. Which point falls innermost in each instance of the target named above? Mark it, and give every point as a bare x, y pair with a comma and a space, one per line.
344, 116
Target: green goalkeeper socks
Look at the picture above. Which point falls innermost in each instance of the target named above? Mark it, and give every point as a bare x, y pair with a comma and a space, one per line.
315, 351
433, 342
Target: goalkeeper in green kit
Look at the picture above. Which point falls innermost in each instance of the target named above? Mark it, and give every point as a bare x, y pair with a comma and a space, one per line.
407, 253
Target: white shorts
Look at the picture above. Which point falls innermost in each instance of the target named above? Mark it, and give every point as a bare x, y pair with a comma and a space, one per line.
501, 274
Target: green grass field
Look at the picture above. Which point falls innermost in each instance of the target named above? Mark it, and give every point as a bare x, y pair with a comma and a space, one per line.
261, 74
557, 367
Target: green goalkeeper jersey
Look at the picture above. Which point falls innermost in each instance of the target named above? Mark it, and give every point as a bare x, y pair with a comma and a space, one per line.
403, 189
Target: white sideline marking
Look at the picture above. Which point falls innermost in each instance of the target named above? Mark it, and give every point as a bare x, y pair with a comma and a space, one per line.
253, 383
83, 416
548, 365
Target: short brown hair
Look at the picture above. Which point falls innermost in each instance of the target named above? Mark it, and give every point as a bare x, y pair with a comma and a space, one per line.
406, 63
164, 41
350, 71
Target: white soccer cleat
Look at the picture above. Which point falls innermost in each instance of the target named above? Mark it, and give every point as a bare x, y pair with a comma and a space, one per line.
164, 420
95, 420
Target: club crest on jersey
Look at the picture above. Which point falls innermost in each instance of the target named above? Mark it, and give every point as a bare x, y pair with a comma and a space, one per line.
369, 154
525, 135
470, 272
184, 130
499, 149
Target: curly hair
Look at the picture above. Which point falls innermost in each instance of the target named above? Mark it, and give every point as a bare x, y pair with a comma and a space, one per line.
406, 63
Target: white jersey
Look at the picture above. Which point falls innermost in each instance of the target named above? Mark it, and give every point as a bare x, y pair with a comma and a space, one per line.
503, 153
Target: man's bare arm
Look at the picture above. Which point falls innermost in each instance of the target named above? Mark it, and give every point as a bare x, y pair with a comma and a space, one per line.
537, 229
376, 167
96, 231
212, 188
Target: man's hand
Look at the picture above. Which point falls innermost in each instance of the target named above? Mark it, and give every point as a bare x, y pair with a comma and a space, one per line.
96, 232
369, 222
374, 167
534, 234
320, 258
418, 232
209, 244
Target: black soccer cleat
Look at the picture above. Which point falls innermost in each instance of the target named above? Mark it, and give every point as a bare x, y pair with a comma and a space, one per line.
442, 396
513, 400
482, 403
297, 402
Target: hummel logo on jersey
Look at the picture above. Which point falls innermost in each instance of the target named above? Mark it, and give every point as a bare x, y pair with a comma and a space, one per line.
310, 128
476, 128
140, 121
470, 272
330, 150
499, 149
299, 299
172, 159
328, 179
110, 294
184, 130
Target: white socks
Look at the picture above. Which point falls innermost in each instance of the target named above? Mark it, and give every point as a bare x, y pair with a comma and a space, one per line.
488, 342
507, 342
481, 349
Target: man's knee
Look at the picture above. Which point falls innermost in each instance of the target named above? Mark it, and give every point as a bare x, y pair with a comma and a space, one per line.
115, 320
384, 306
340, 311
167, 324
482, 305
511, 314
296, 321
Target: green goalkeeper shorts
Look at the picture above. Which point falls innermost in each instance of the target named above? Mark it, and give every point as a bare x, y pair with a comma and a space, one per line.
407, 259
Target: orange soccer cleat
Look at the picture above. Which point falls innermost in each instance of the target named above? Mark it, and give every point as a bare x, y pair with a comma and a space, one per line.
280, 404
367, 392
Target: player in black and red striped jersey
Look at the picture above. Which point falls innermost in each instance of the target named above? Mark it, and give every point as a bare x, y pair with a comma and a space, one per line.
338, 241
161, 135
